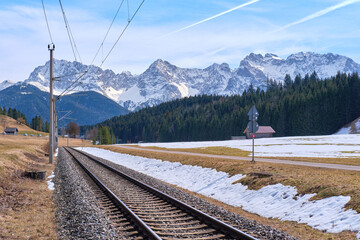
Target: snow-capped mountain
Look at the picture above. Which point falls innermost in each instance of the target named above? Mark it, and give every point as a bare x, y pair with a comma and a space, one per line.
6, 84
163, 81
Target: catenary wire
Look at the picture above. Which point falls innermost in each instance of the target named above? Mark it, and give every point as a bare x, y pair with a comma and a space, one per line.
102, 43
67, 89
128, 7
71, 37
112, 48
122, 33
47, 23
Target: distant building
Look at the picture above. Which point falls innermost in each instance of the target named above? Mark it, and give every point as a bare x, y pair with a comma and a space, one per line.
11, 131
262, 132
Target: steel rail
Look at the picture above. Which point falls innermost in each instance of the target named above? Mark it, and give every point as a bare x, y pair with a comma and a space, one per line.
138, 222
217, 224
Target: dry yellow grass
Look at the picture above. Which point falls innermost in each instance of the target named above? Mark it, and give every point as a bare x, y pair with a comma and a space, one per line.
74, 142
344, 161
324, 182
26, 205
6, 121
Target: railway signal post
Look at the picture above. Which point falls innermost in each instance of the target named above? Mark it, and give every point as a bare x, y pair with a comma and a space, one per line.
252, 127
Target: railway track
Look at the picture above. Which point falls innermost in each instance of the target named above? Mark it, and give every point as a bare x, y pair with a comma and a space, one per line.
139, 211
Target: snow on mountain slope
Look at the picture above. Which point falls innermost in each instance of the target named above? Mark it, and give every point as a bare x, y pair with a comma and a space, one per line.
163, 81
6, 84
351, 128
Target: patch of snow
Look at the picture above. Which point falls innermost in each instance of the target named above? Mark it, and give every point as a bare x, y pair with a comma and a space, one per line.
193, 91
46, 88
330, 146
113, 93
132, 93
276, 57
358, 236
50, 183
183, 89
344, 130
56, 152
273, 201
25, 93
42, 78
5, 84
357, 126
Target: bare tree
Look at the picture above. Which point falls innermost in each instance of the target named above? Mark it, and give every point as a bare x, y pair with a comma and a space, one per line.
73, 129
63, 132
21, 121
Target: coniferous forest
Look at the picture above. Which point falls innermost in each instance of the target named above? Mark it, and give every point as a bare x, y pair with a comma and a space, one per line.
298, 107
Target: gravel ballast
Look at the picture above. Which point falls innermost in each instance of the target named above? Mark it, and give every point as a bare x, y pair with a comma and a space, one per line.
78, 215
252, 227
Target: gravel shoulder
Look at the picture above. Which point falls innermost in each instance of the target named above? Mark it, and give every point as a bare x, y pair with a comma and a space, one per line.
78, 215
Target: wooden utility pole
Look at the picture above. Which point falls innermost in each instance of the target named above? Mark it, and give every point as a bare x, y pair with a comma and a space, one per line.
51, 48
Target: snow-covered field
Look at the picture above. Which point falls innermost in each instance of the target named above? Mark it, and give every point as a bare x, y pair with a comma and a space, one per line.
331, 146
274, 201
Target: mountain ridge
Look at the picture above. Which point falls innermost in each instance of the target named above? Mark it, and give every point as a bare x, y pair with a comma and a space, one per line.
163, 81
90, 107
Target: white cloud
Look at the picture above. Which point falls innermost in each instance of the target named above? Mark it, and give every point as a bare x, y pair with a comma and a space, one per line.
24, 39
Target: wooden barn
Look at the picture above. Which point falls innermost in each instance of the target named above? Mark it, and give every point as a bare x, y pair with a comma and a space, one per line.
262, 132
11, 131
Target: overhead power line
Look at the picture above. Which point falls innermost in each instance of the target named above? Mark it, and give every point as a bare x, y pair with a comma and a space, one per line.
122, 33
47, 23
70, 35
102, 43
67, 89
70, 88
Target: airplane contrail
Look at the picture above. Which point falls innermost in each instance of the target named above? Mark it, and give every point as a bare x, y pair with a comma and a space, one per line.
215, 16
319, 14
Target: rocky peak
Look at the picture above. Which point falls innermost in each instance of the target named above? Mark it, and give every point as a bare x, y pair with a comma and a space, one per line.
219, 67
163, 81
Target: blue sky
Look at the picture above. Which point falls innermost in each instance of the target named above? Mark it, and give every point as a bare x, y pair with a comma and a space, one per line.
281, 27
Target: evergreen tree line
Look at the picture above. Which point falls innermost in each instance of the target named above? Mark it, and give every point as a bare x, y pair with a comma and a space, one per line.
299, 107
13, 113
38, 124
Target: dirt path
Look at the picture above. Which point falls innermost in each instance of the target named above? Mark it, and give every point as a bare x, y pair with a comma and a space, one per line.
298, 163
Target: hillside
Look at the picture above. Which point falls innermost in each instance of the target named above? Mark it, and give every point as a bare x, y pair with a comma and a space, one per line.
86, 107
301, 107
351, 128
6, 121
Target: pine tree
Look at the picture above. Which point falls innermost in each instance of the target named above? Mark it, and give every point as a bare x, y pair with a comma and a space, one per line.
287, 80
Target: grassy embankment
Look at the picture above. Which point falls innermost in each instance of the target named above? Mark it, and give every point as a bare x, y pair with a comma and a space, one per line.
324, 182
27, 209
26, 205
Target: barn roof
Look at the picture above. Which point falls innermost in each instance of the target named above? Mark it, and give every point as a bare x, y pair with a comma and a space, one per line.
11, 129
263, 129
